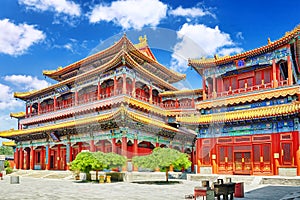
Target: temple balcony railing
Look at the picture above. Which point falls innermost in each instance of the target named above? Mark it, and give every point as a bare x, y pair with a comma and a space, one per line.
238, 91
89, 103
79, 116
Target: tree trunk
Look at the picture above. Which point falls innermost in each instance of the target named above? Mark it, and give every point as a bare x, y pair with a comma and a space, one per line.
96, 175
167, 174
88, 176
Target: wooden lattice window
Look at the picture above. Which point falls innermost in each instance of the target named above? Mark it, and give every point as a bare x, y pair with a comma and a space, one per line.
205, 155
266, 153
256, 153
286, 153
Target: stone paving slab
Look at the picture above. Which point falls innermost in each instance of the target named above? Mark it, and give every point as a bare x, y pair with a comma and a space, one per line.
42, 188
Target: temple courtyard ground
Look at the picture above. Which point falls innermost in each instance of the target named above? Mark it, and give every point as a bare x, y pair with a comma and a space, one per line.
57, 186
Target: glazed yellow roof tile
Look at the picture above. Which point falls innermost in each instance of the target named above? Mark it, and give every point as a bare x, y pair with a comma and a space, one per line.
112, 62
104, 117
9, 144
248, 97
133, 49
17, 115
255, 113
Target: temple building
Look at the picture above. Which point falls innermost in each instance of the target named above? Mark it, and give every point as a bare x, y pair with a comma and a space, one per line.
245, 120
248, 121
118, 100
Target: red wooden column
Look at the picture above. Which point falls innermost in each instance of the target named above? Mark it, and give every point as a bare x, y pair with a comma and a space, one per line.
98, 91
76, 98
198, 153
54, 103
214, 157
135, 147
39, 107
92, 146
275, 82
16, 158
176, 103
30, 110
79, 147
27, 159
113, 145
103, 146
26, 111
276, 152
21, 158
58, 157
124, 150
150, 94
133, 87
124, 90
115, 85
135, 152
214, 87
290, 73
204, 87
192, 159
48, 157
193, 102
43, 158
32, 158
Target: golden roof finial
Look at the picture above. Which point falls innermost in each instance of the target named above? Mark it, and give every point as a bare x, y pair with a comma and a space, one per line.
143, 39
269, 41
216, 56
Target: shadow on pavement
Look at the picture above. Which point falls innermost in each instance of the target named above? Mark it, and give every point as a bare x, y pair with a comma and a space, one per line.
273, 193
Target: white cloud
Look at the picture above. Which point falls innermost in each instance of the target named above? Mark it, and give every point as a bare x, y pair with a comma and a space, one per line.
24, 82
73, 45
199, 40
59, 6
7, 101
229, 51
7, 123
130, 13
16, 39
190, 12
239, 35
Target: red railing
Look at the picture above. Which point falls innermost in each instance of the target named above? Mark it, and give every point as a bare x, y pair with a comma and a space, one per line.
248, 89
180, 105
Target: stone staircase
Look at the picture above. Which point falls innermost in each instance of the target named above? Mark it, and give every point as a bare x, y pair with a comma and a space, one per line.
278, 180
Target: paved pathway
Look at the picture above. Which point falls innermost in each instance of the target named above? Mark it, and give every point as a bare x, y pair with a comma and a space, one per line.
55, 189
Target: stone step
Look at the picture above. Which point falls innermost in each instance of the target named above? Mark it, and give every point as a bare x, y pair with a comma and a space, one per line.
281, 180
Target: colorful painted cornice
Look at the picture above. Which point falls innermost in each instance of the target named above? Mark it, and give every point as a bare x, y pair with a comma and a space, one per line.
256, 113
181, 93
249, 97
122, 111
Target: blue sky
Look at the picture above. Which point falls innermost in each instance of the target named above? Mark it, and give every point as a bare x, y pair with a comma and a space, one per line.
43, 34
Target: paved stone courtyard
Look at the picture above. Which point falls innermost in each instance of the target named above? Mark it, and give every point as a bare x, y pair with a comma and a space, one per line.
55, 189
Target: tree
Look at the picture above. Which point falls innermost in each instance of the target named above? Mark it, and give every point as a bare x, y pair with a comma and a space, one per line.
163, 158
97, 161
8, 151
114, 160
85, 162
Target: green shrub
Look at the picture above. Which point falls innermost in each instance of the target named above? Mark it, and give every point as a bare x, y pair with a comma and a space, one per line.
6, 163
8, 170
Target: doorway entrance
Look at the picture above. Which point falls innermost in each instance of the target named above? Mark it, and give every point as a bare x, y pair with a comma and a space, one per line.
242, 163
